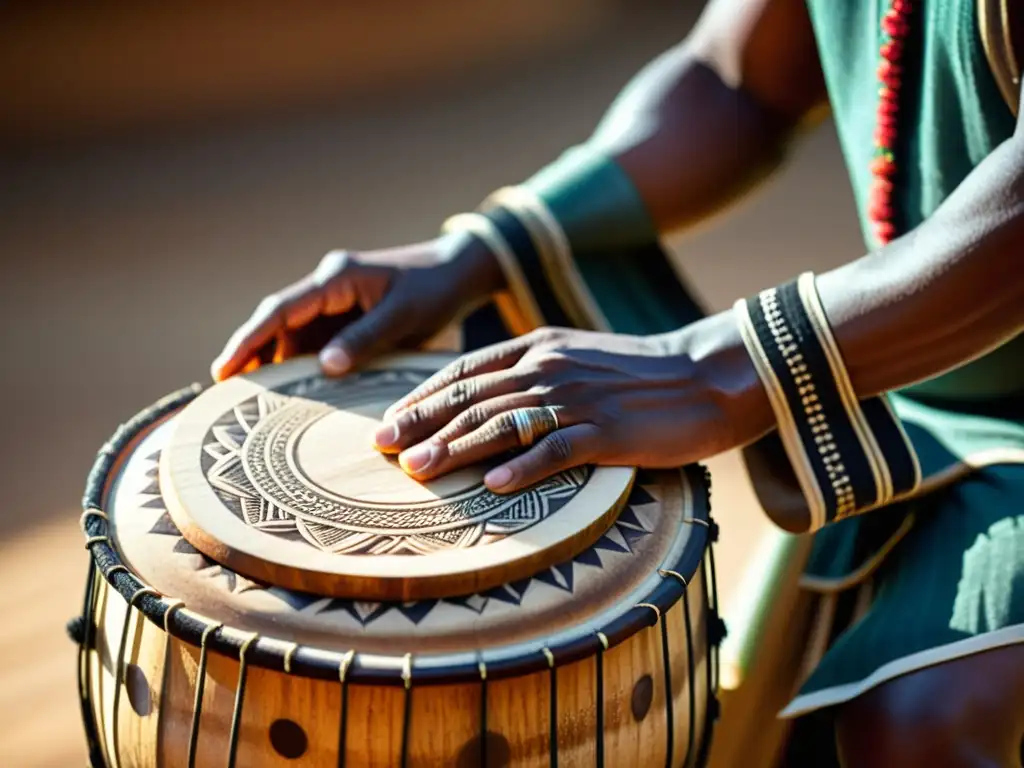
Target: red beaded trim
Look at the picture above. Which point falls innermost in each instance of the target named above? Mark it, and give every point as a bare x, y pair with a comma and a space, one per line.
881, 211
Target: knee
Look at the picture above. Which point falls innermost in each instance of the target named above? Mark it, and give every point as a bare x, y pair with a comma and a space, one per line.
909, 723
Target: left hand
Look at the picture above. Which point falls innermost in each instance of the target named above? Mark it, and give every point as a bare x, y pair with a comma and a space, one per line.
647, 401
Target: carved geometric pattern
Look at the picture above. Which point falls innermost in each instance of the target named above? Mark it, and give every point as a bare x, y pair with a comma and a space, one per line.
617, 541
250, 460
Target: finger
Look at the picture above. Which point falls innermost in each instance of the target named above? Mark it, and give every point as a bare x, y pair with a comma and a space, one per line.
488, 359
423, 419
474, 417
561, 450
294, 306
497, 434
381, 328
433, 458
479, 433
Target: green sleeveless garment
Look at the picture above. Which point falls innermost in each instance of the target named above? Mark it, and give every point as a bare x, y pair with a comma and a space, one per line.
951, 582
953, 115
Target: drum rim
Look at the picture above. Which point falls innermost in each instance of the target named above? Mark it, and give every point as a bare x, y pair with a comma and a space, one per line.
173, 616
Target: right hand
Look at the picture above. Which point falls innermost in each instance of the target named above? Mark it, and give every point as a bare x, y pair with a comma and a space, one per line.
356, 305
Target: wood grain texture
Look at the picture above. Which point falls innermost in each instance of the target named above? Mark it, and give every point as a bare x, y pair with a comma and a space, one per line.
274, 475
445, 728
290, 720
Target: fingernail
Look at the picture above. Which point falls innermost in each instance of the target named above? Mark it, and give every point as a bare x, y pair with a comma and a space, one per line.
334, 360
418, 457
386, 435
498, 478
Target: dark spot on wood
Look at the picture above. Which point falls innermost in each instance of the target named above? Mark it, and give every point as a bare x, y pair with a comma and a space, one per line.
499, 753
643, 695
137, 686
288, 739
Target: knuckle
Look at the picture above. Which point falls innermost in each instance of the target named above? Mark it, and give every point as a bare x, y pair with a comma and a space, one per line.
502, 425
546, 394
269, 305
472, 418
557, 448
412, 416
459, 368
446, 377
552, 362
546, 335
459, 393
331, 265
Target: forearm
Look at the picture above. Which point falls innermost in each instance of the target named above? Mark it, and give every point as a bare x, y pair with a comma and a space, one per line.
690, 143
825, 349
579, 241
944, 294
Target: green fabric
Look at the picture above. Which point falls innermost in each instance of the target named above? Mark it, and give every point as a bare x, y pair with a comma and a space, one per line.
953, 118
945, 435
959, 572
594, 201
614, 243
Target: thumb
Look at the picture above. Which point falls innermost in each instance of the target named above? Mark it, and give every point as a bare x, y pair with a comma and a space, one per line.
378, 330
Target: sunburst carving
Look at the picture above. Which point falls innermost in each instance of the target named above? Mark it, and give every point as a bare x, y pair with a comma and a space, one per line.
618, 541
251, 461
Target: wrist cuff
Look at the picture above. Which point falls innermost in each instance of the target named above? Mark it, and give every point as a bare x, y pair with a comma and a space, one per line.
849, 456
594, 201
517, 306
579, 249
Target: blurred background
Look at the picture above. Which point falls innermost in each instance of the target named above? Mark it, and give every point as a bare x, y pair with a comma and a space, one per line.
164, 166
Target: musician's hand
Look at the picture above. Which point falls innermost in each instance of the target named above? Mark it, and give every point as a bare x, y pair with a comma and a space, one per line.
405, 296
655, 401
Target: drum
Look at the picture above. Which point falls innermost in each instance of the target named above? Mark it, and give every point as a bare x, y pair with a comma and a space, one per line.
266, 589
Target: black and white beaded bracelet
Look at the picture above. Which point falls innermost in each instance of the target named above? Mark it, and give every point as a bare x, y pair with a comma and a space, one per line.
849, 456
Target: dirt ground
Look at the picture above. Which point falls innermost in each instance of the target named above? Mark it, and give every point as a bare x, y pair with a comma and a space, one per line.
127, 262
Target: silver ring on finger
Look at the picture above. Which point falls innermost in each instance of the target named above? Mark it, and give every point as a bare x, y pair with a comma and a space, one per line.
534, 423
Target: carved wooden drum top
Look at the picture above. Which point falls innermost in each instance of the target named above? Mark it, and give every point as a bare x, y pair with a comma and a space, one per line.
275, 475
217, 504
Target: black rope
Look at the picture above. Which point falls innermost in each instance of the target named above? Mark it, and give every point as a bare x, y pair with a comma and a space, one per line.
105, 560
197, 706
483, 714
599, 735
711, 713
714, 596
406, 709
343, 724
670, 721
552, 711
343, 727
690, 679
236, 715
96, 759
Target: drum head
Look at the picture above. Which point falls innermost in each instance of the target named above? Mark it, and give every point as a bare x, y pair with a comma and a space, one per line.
274, 475
660, 531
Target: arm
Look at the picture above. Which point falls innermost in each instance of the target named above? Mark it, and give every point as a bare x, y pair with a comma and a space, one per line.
578, 242
932, 300
712, 117
944, 294
696, 127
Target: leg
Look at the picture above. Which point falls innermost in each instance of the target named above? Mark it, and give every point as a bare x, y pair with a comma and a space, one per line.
966, 712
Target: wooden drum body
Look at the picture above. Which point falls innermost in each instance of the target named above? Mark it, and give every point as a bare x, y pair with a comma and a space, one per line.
237, 616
